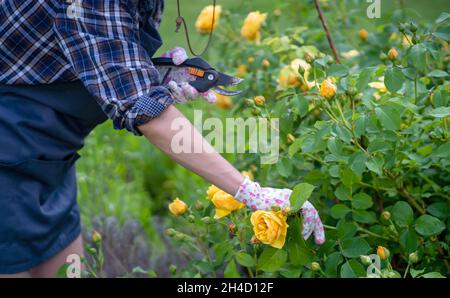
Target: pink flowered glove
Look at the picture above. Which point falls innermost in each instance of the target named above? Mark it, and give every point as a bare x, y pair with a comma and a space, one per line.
263, 198
177, 81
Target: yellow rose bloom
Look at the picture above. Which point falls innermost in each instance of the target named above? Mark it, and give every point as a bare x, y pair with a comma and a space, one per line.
290, 77
350, 54
379, 86
212, 191
225, 204
327, 89
252, 25
204, 21
223, 101
270, 227
178, 207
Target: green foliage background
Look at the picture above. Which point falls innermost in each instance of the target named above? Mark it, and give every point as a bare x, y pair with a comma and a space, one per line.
124, 177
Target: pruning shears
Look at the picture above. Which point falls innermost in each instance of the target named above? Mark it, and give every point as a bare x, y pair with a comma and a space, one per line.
205, 76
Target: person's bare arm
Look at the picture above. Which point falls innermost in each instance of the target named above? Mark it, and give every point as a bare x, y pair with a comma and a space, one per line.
208, 164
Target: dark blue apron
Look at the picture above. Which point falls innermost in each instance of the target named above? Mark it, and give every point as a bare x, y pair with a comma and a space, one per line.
41, 129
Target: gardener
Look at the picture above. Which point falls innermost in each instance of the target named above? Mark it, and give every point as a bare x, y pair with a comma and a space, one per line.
65, 67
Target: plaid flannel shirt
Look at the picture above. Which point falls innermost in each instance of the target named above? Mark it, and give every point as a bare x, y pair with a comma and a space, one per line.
95, 41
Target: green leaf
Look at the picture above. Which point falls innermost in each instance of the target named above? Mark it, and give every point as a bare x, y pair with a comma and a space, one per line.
364, 78
417, 57
409, 241
338, 70
300, 194
443, 151
428, 225
362, 201
389, 116
357, 162
443, 33
439, 209
284, 167
432, 275
352, 269
402, 214
343, 193
295, 147
375, 164
346, 229
245, 259
332, 263
393, 79
437, 73
354, 247
271, 259
364, 216
348, 177
339, 211
343, 133
440, 112
416, 273
442, 17
231, 270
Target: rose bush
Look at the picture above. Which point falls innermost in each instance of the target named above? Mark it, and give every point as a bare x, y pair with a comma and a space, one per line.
366, 141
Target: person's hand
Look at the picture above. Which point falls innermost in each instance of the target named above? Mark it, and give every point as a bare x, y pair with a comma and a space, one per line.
264, 198
177, 81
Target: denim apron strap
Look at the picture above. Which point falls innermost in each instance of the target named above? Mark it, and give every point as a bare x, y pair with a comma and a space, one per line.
42, 128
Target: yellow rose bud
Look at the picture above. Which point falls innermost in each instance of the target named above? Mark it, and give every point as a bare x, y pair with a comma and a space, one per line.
259, 100
223, 101
252, 25
286, 210
363, 34
290, 138
225, 204
386, 215
199, 205
254, 240
315, 266
383, 253
393, 54
96, 237
212, 191
242, 70
248, 174
250, 60
178, 207
277, 12
231, 228
270, 227
413, 257
204, 21
265, 63
328, 89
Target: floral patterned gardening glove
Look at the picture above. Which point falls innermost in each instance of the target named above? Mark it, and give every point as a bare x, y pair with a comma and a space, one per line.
177, 80
263, 198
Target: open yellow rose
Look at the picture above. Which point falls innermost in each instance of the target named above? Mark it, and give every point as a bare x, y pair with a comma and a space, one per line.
224, 202
327, 89
252, 25
178, 207
270, 227
204, 21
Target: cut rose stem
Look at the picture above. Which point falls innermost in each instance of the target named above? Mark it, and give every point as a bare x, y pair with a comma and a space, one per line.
327, 31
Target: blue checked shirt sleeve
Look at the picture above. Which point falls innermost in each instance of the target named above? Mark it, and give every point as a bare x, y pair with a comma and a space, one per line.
100, 39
